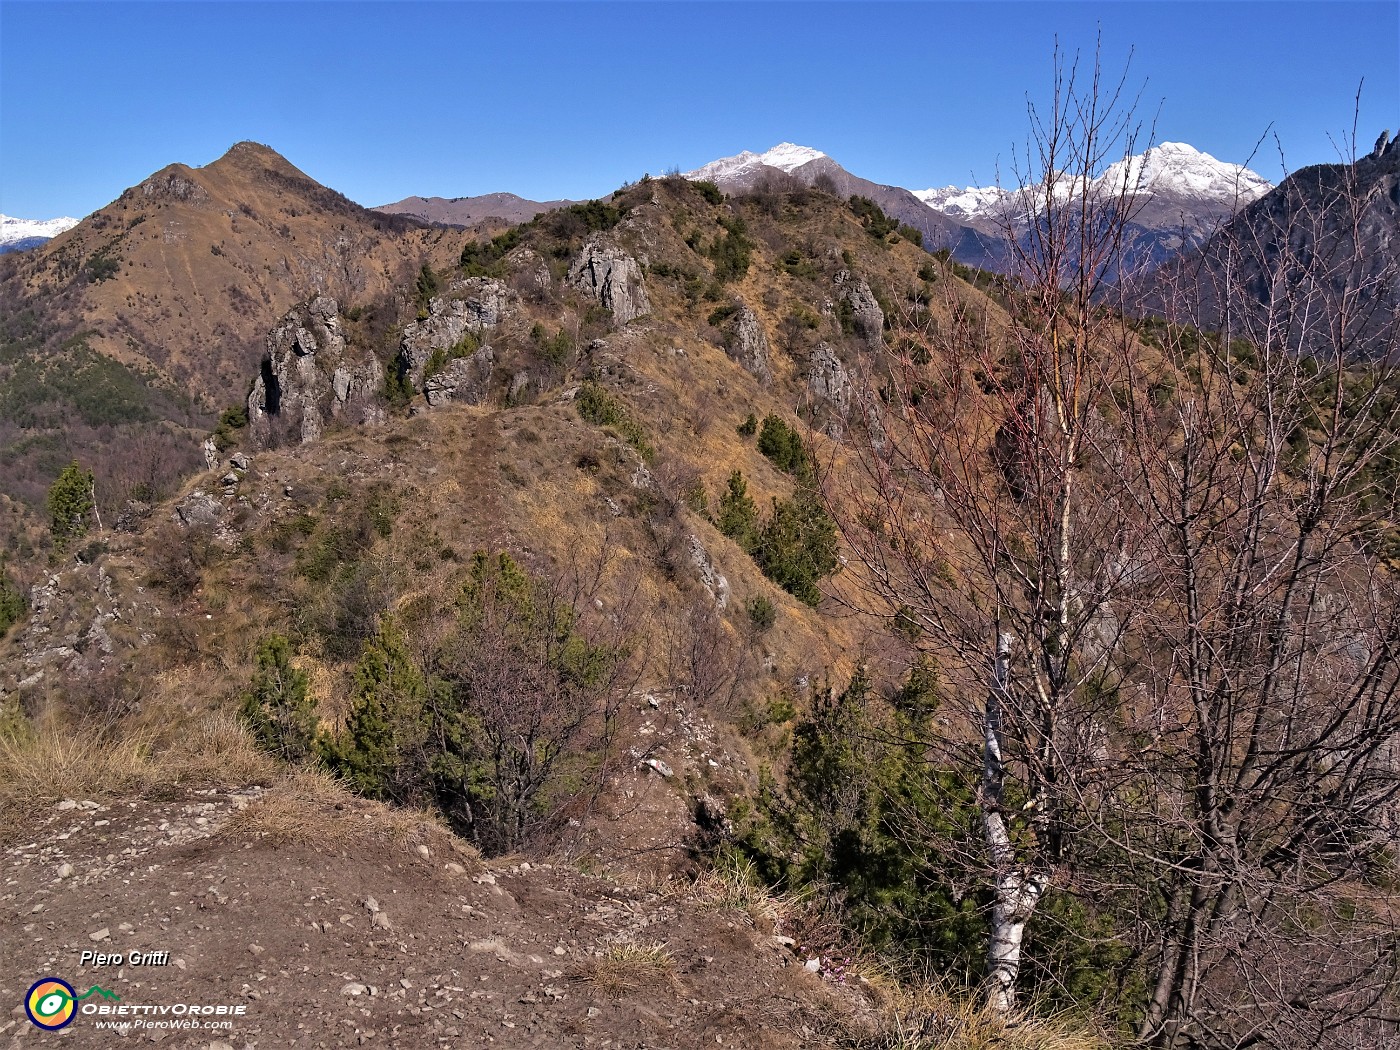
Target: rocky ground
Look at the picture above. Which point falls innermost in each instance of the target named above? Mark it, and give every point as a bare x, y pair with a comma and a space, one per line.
336, 926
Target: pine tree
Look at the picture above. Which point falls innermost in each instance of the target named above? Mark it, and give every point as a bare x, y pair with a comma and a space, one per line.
70, 504
382, 753
277, 708
797, 547
738, 516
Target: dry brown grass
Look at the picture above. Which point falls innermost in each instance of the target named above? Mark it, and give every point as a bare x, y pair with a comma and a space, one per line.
737, 887
311, 808
628, 967
925, 1017
58, 761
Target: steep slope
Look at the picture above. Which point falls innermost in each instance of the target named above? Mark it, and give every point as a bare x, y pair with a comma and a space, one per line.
186, 271
505, 208
1324, 244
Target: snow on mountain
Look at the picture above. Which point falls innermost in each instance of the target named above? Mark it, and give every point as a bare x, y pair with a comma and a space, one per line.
1184, 171
786, 156
964, 203
13, 231
1170, 170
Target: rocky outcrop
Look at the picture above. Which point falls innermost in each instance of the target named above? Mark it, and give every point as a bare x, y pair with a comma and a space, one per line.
462, 379
865, 308
710, 577
309, 374
613, 277
199, 508
831, 387
473, 307
747, 344
532, 265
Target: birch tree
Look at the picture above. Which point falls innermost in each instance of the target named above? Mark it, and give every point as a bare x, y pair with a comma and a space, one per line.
1150, 560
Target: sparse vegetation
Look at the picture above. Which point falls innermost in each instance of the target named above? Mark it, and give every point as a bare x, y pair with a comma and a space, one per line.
733, 252
12, 601
601, 408
709, 191
784, 448
762, 612
876, 222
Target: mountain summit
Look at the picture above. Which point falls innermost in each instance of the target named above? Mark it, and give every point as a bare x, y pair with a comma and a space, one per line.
785, 157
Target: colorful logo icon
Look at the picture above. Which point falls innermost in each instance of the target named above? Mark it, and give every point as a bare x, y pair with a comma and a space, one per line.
51, 1003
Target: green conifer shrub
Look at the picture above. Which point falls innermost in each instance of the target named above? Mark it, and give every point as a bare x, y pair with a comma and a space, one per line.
70, 504
277, 707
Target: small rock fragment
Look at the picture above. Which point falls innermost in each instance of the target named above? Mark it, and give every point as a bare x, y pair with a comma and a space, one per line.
64, 870
354, 988
100, 935
453, 868
423, 852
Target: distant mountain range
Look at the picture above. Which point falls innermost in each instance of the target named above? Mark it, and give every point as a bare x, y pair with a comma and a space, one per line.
1184, 195
16, 235
1180, 196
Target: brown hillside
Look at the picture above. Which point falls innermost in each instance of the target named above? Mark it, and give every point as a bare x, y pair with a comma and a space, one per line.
207, 258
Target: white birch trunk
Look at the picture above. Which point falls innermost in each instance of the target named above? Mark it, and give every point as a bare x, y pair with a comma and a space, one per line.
1017, 892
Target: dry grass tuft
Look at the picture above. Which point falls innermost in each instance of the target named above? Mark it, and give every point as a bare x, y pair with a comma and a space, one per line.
627, 967
58, 761
51, 765
311, 808
736, 886
924, 1017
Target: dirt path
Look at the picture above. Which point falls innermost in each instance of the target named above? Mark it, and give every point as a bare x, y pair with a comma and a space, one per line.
374, 945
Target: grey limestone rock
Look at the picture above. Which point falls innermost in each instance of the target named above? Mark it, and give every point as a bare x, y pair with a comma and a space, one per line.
748, 344
869, 318
830, 383
710, 577
199, 508
462, 379
613, 277
310, 374
475, 306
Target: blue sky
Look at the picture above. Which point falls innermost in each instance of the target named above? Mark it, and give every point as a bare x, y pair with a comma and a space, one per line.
381, 101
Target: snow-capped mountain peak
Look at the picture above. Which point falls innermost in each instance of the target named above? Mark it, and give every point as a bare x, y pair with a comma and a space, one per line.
1183, 171
14, 231
786, 156
789, 155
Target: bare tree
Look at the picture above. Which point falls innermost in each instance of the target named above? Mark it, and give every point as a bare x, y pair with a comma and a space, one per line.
531, 694
1148, 560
